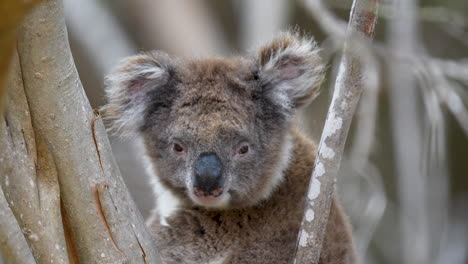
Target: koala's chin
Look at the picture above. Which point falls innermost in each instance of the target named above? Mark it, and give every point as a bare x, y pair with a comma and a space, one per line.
215, 202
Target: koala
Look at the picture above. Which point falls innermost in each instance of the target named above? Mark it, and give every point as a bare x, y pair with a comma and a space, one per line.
229, 165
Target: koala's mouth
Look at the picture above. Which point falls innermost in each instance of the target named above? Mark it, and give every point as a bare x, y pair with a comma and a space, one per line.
211, 201
216, 196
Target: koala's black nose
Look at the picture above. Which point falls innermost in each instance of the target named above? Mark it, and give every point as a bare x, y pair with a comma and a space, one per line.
208, 180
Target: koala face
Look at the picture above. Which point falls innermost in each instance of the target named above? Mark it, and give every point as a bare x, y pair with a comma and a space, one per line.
216, 129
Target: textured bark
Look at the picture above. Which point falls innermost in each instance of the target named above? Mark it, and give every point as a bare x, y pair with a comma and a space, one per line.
28, 177
348, 88
13, 246
58, 173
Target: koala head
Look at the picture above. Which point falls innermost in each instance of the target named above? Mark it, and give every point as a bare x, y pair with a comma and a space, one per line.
216, 129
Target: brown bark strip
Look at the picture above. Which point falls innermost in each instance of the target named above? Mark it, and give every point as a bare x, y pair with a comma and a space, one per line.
103, 217
141, 248
93, 131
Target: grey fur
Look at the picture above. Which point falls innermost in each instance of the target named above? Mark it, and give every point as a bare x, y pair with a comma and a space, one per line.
216, 105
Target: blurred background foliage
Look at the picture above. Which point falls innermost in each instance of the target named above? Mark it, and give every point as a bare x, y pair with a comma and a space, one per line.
102, 32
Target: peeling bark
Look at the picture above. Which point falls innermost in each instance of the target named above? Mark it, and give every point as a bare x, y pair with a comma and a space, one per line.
348, 87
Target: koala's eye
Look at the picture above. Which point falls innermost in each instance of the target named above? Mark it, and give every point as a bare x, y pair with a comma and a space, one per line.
243, 149
178, 148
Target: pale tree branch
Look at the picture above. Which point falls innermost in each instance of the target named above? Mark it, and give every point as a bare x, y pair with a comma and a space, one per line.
348, 88
106, 43
361, 173
440, 70
28, 177
76, 201
407, 126
419, 139
13, 245
192, 31
98, 41
261, 19
441, 84
334, 27
102, 55
446, 79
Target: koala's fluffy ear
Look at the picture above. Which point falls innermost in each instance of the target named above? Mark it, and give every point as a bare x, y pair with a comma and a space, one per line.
127, 90
291, 70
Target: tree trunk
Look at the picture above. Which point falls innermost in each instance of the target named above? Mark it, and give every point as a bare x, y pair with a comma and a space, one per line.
63, 187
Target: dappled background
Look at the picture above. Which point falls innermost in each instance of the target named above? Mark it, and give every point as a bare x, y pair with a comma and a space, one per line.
404, 178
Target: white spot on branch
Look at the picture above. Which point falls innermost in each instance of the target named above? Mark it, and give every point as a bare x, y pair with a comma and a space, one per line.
314, 190
303, 239
309, 215
343, 105
7, 181
319, 169
326, 151
332, 124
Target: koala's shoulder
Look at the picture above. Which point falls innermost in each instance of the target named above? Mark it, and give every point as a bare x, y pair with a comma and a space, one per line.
303, 154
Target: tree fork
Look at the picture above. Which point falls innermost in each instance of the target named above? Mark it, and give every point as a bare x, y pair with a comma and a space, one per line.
67, 139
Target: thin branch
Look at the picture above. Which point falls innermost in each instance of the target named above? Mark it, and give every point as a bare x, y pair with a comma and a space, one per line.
449, 94
407, 131
329, 23
104, 54
261, 19
171, 24
348, 88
